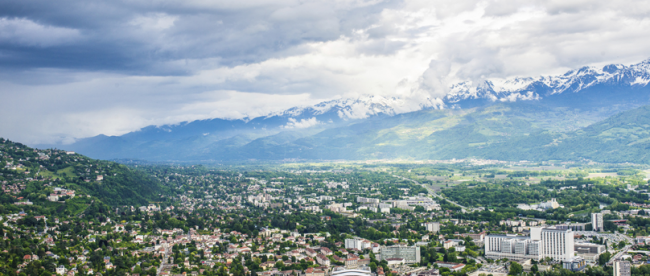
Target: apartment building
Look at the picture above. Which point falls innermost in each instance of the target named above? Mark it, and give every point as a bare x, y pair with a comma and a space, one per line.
556, 243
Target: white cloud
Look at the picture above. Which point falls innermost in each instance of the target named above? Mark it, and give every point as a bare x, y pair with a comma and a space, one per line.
192, 60
303, 123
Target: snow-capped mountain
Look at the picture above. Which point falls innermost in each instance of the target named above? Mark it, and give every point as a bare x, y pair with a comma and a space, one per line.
514, 89
578, 97
491, 90
362, 107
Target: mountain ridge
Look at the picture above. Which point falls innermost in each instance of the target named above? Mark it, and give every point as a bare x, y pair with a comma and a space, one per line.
555, 104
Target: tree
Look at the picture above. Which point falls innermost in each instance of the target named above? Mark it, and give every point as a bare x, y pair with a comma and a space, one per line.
604, 258
609, 226
373, 266
515, 269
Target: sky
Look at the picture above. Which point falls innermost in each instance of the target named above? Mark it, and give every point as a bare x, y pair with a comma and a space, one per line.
73, 69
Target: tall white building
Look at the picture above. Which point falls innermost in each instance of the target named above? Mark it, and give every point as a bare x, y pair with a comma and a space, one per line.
357, 243
597, 222
432, 226
622, 268
556, 243
353, 244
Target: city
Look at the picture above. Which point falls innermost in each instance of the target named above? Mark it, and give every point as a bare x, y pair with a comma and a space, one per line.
315, 219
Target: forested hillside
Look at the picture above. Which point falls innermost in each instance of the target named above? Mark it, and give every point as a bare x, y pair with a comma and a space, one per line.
34, 175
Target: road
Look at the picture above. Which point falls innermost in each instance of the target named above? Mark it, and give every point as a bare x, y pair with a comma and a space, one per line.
619, 254
163, 263
623, 251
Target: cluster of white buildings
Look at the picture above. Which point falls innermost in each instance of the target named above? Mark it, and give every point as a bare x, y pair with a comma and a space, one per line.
150, 208
334, 185
432, 226
554, 242
60, 192
376, 205
260, 200
339, 207
410, 203
361, 244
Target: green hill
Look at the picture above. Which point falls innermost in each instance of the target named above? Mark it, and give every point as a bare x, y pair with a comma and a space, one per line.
36, 173
624, 137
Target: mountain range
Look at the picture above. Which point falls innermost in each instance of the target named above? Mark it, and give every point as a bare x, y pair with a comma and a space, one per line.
591, 113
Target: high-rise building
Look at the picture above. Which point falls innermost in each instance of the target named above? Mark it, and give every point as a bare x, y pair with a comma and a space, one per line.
557, 243
353, 244
597, 222
357, 243
410, 254
622, 268
543, 242
432, 226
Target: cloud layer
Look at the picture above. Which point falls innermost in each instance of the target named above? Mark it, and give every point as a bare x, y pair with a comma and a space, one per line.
72, 69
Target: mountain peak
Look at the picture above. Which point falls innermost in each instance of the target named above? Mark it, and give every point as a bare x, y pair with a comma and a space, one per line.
490, 90
529, 88
362, 107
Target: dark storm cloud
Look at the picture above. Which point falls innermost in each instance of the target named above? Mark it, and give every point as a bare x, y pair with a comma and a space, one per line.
144, 37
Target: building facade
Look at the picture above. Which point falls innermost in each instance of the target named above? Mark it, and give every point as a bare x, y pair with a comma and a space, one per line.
597, 222
357, 243
622, 268
575, 264
353, 244
432, 226
368, 200
361, 271
410, 254
543, 242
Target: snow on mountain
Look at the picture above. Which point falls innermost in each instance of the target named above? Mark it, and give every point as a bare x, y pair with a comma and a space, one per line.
363, 107
535, 88
494, 89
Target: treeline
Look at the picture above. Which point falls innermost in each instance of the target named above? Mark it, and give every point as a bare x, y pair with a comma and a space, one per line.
546, 173
576, 195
